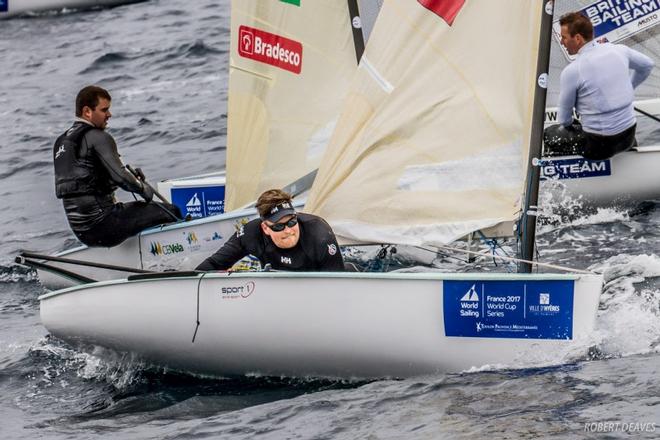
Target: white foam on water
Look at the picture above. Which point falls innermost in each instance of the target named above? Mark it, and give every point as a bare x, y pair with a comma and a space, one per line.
100, 364
556, 203
17, 276
120, 370
558, 218
558, 208
637, 267
628, 321
602, 215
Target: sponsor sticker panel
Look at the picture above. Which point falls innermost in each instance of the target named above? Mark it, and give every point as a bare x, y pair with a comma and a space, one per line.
509, 309
269, 48
184, 248
159, 248
616, 20
200, 201
238, 291
575, 168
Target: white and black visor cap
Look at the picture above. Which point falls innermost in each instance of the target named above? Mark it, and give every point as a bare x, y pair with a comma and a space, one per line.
279, 211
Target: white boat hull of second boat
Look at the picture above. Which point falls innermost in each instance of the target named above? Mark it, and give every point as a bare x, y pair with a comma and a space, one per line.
624, 180
180, 246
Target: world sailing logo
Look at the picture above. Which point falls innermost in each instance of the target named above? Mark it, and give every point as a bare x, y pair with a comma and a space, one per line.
445, 9
270, 49
194, 207
194, 202
471, 295
470, 303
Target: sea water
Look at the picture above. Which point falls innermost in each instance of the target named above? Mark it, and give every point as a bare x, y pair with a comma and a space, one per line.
166, 64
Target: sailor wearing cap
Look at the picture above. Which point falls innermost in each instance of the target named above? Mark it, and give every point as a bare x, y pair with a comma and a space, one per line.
281, 237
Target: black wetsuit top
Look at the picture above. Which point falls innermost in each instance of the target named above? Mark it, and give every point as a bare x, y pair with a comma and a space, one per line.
317, 248
86, 177
87, 173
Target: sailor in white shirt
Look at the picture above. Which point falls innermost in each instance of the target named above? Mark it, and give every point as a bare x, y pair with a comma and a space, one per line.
599, 84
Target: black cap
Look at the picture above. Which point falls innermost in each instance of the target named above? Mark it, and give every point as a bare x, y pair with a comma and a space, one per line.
278, 211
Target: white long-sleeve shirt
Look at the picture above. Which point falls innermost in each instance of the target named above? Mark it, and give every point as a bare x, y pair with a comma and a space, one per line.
599, 84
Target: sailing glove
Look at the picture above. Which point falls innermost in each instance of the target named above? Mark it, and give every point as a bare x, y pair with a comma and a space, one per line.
139, 174
147, 193
575, 126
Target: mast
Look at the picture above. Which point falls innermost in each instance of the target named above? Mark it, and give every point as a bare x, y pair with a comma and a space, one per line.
530, 208
356, 25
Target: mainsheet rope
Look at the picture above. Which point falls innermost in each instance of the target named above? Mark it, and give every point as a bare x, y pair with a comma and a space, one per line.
199, 282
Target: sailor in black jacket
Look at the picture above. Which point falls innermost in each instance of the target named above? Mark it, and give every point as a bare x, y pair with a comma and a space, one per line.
88, 170
283, 238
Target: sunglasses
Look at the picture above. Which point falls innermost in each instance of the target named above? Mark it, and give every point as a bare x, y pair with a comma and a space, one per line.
279, 227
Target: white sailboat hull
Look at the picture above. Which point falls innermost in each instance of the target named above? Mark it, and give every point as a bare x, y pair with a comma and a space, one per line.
627, 178
180, 246
16, 7
320, 324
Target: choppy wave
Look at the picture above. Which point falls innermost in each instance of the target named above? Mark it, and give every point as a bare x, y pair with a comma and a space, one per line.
493, 405
112, 60
23, 166
17, 274
121, 386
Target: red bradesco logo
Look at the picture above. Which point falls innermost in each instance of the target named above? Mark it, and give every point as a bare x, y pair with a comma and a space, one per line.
270, 49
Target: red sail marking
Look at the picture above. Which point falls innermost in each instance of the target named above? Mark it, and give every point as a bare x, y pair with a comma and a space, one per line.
445, 9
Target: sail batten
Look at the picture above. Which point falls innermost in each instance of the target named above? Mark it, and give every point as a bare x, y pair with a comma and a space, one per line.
442, 149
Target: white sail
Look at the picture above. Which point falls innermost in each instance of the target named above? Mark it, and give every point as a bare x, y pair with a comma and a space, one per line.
291, 63
433, 139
